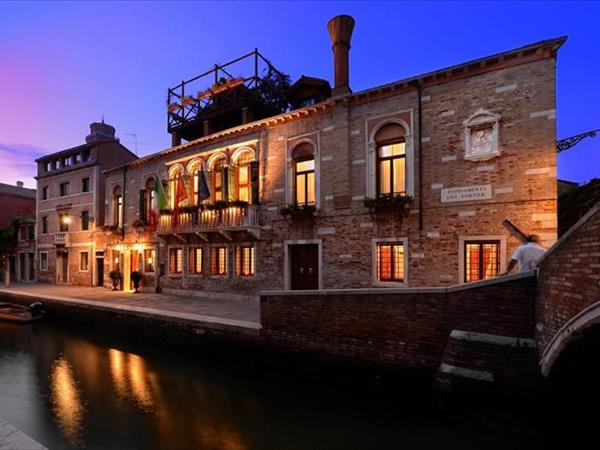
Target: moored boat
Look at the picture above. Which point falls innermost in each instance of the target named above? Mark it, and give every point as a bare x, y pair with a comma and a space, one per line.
18, 313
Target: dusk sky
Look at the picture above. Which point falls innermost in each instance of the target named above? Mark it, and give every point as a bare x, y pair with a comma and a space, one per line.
65, 65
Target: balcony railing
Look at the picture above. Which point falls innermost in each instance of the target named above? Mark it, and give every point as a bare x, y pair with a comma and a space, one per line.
209, 220
61, 238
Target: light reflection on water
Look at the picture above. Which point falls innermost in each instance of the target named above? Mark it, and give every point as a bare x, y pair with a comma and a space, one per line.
103, 393
66, 400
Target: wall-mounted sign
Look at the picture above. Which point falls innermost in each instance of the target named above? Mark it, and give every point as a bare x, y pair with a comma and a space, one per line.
467, 193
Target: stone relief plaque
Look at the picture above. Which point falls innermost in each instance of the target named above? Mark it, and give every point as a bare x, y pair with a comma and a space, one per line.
481, 141
481, 136
466, 193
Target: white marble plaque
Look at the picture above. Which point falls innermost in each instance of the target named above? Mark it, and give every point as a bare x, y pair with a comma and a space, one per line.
467, 193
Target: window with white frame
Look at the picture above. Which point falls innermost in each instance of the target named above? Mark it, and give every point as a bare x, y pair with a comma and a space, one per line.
390, 159
304, 182
83, 261
389, 261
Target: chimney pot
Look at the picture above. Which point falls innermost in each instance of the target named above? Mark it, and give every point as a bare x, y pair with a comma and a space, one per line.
20, 184
340, 33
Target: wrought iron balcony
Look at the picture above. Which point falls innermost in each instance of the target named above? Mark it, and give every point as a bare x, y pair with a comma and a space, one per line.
223, 221
61, 238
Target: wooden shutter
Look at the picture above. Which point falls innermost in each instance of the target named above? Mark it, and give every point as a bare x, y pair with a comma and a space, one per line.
225, 183
233, 189
254, 182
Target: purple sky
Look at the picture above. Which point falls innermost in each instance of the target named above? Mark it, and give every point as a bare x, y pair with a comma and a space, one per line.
66, 64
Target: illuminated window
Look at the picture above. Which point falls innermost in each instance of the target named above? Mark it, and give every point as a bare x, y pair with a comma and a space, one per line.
243, 176
196, 260
175, 260
148, 260
245, 261
390, 261
194, 171
303, 174
83, 261
174, 175
63, 222
117, 206
218, 179
218, 261
391, 169
482, 260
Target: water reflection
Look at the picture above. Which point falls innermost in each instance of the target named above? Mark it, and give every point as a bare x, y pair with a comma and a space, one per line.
104, 393
66, 401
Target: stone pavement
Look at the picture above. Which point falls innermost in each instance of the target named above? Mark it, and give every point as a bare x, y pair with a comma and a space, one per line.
227, 311
12, 438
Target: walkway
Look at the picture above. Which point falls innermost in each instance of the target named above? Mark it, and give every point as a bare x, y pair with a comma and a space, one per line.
224, 311
12, 438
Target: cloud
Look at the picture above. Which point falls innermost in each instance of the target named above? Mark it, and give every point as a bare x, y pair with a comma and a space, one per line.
17, 163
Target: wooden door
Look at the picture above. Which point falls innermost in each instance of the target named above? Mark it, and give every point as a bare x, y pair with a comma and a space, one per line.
99, 269
304, 266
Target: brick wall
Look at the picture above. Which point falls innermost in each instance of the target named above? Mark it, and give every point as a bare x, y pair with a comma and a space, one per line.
13, 207
397, 328
522, 180
569, 277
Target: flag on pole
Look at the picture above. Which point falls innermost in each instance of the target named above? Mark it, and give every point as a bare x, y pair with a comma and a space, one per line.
203, 191
181, 193
159, 201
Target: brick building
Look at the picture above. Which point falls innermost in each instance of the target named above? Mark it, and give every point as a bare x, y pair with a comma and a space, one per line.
405, 184
18, 203
71, 205
15, 201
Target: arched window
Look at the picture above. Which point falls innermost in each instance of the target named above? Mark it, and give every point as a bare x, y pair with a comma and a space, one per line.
391, 160
243, 182
194, 169
303, 164
117, 204
218, 178
174, 173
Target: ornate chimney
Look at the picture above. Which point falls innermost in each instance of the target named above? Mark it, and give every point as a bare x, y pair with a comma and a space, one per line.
340, 32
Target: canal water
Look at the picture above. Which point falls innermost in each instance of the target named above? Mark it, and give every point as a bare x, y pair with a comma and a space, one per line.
72, 388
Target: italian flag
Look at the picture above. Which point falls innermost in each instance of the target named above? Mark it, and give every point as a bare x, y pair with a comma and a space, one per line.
159, 201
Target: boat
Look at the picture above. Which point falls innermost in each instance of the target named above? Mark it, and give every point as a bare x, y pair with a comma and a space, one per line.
19, 313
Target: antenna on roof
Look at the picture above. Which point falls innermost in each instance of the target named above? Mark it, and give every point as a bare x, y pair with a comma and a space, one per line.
102, 116
135, 142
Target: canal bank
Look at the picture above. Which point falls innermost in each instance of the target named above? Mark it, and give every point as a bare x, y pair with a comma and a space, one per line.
476, 335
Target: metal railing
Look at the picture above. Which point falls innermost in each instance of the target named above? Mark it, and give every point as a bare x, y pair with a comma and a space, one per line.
230, 217
220, 87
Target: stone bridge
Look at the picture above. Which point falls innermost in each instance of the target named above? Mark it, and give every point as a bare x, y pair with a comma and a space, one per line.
568, 292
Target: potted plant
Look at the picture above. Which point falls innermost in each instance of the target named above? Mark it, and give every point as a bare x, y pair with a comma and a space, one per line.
396, 203
115, 276
111, 229
136, 277
300, 211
